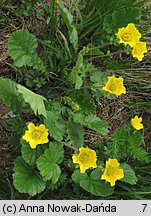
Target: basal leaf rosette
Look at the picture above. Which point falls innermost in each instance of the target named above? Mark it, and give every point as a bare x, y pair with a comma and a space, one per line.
136, 123
36, 135
129, 35
115, 86
86, 159
112, 171
138, 50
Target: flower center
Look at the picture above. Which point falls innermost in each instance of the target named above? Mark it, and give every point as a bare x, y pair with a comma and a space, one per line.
36, 134
112, 86
126, 37
110, 171
84, 158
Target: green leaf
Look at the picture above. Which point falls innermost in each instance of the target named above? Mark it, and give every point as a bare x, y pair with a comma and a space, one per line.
74, 36
80, 70
77, 72
99, 77
84, 100
26, 179
10, 96
118, 146
78, 82
30, 155
121, 18
108, 25
68, 20
25, 8
77, 177
125, 143
56, 125
56, 152
35, 101
94, 51
92, 183
22, 48
92, 122
75, 134
124, 16
138, 152
129, 174
48, 162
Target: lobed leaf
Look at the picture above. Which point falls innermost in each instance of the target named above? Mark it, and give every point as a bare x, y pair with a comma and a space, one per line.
26, 179
129, 174
92, 183
121, 18
135, 148
30, 155
48, 162
118, 146
22, 46
99, 77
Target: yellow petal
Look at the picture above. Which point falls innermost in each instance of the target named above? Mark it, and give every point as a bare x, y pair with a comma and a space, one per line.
42, 128
138, 50
36, 135
27, 136
75, 158
31, 126
129, 35
136, 123
115, 86
112, 171
83, 168
33, 144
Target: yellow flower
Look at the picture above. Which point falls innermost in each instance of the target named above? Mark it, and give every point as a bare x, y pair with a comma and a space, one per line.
138, 50
136, 123
115, 86
129, 35
36, 135
112, 171
86, 159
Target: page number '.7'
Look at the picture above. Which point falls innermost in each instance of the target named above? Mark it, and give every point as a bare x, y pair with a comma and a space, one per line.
144, 207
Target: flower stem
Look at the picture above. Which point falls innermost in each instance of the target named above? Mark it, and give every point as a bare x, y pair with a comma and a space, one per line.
69, 146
